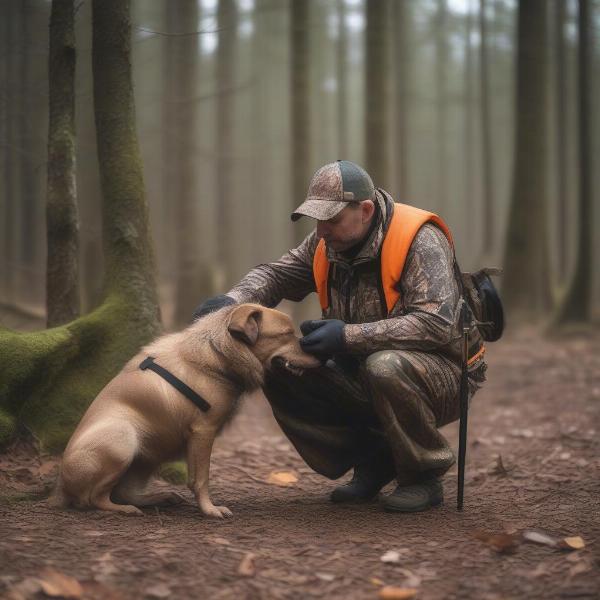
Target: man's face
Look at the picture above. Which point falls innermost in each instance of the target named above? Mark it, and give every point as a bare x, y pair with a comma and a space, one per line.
348, 227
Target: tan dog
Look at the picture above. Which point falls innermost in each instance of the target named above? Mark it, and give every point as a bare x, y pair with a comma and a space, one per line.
139, 420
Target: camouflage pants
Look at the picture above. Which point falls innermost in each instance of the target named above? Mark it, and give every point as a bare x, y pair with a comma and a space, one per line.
388, 405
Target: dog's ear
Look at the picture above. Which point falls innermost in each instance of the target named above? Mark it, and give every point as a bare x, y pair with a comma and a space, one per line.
243, 323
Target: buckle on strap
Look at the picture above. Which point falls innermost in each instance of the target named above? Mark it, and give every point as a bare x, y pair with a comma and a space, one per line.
188, 392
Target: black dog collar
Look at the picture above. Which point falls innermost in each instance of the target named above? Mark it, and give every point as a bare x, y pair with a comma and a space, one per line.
187, 391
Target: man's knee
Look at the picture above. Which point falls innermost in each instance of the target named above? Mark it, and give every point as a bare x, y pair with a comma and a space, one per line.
387, 366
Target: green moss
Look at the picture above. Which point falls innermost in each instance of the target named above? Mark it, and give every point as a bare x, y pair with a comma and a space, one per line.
174, 472
54, 375
8, 428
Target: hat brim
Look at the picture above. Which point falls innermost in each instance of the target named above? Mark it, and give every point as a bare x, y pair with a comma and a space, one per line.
322, 210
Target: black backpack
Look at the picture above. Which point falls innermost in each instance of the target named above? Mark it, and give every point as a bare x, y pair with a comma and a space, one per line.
484, 301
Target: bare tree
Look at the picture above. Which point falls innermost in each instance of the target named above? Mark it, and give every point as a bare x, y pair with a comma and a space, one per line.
62, 275
526, 281
342, 81
486, 133
376, 92
300, 107
561, 132
577, 303
401, 18
225, 72
441, 68
193, 274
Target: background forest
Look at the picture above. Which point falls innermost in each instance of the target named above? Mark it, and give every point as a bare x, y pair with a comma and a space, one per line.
239, 102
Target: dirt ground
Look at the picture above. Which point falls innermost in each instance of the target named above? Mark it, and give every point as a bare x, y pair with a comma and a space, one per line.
533, 463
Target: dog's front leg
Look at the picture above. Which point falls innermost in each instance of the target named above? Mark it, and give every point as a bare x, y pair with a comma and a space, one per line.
198, 459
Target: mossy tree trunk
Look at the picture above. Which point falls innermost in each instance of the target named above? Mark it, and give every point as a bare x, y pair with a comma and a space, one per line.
50, 377
62, 222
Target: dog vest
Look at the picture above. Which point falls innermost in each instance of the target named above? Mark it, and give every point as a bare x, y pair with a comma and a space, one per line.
404, 225
188, 392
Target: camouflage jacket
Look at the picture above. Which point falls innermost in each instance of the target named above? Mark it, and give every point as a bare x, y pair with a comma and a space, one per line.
426, 317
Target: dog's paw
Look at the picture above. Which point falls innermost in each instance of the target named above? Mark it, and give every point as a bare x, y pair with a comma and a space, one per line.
217, 512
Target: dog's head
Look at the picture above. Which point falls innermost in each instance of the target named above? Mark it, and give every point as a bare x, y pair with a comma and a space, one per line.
270, 336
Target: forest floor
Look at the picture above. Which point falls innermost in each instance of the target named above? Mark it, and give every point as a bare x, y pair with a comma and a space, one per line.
533, 464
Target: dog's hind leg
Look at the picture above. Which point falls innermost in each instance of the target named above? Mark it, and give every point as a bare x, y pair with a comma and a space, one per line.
140, 488
92, 468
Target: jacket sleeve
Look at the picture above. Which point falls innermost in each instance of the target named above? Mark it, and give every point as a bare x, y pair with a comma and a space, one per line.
290, 277
426, 316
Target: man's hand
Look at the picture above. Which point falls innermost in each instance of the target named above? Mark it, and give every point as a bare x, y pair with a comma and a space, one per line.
323, 337
211, 305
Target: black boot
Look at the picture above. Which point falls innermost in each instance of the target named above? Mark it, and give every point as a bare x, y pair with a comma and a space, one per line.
416, 497
369, 477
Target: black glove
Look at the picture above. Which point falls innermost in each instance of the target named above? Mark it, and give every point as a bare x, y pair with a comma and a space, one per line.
212, 304
323, 338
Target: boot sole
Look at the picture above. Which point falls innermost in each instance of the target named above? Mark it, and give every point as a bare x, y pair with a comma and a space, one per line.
389, 507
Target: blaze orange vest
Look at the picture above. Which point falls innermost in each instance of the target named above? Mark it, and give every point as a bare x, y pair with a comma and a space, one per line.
405, 223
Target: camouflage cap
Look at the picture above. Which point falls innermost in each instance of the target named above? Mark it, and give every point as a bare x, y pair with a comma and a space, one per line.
332, 188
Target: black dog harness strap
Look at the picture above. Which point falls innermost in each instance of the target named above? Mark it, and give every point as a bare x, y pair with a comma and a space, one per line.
187, 391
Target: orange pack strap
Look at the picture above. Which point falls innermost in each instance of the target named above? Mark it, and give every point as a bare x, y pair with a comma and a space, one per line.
476, 356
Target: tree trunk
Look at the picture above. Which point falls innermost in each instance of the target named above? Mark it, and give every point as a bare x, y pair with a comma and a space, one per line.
486, 136
62, 276
441, 67
401, 17
376, 93
562, 159
576, 307
526, 283
225, 72
50, 377
468, 120
193, 274
342, 82
300, 111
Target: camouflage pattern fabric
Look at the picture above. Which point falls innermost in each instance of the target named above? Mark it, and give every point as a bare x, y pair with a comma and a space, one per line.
401, 369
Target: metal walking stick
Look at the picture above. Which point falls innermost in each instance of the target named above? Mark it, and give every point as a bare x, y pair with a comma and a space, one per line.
464, 407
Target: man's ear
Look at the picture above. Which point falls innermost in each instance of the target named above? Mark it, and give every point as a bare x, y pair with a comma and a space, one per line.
243, 323
368, 209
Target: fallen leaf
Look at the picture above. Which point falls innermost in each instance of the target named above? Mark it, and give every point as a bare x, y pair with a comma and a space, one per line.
391, 556
325, 576
59, 585
396, 593
503, 543
282, 478
160, 590
376, 581
572, 543
246, 567
539, 537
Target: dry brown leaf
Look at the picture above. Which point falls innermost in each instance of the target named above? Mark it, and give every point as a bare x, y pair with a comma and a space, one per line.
59, 585
389, 592
246, 567
572, 543
282, 478
503, 543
